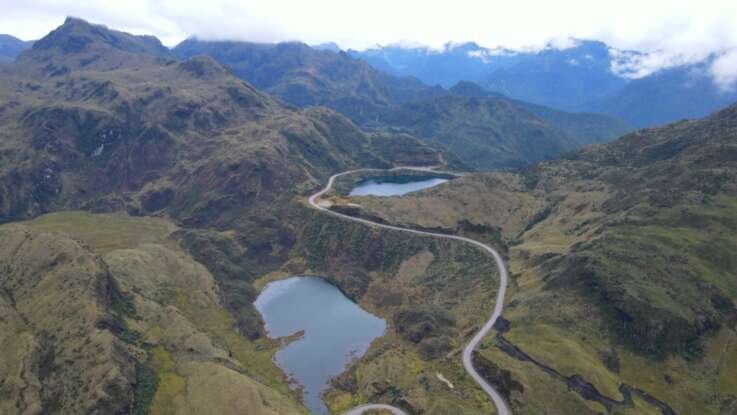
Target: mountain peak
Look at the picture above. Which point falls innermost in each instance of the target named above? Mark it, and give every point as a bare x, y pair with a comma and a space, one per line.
473, 90
80, 44
72, 36
329, 46
76, 34
71, 20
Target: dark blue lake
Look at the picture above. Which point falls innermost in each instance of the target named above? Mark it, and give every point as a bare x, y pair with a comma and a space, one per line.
336, 330
388, 187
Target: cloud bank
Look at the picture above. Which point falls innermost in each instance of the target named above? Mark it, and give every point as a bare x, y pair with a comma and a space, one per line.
673, 31
724, 70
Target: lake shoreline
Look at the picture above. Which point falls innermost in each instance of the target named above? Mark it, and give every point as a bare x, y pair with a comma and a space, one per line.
321, 331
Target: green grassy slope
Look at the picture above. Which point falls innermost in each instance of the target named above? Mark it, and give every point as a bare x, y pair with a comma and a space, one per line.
103, 121
486, 130
122, 288
623, 274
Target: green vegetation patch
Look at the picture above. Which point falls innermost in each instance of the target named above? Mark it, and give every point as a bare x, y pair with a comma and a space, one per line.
664, 286
147, 382
105, 232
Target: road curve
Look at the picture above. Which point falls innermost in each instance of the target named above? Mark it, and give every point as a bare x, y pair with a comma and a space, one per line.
501, 406
363, 408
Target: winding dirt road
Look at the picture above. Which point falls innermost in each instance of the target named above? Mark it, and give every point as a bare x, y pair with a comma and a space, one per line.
501, 406
375, 406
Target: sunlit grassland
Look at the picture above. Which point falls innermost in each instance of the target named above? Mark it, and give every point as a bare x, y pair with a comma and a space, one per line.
561, 332
105, 232
706, 239
256, 357
170, 385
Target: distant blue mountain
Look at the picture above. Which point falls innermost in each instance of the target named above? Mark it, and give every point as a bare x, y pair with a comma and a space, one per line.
586, 128
471, 62
445, 68
11, 47
672, 94
568, 79
577, 79
329, 46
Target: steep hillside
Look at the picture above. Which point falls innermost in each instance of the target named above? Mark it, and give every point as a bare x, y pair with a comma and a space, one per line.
490, 131
58, 322
498, 134
484, 133
147, 135
622, 259
303, 76
104, 121
78, 44
106, 314
585, 128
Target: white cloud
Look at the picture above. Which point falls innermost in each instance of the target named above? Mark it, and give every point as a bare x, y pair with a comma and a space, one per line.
487, 55
724, 70
635, 65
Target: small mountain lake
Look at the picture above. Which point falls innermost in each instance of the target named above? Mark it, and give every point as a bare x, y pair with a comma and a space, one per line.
336, 330
394, 186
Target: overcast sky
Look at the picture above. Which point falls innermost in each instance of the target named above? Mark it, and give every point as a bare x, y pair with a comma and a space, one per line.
676, 29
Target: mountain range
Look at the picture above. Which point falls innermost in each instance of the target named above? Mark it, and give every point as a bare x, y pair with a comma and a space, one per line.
590, 76
103, 121
148, 194
485, 130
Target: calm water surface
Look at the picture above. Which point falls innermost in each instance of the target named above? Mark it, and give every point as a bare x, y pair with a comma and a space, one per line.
335, 331
386, 187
